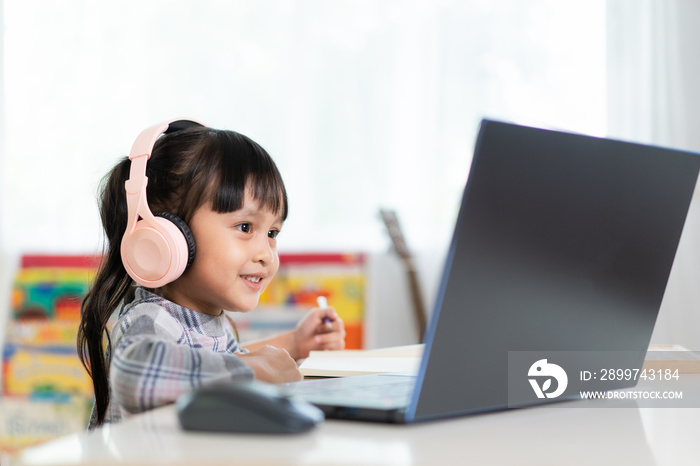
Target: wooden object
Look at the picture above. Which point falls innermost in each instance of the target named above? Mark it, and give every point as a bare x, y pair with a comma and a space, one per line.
394, 229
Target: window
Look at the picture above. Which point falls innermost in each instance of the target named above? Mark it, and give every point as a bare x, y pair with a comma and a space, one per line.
363, 104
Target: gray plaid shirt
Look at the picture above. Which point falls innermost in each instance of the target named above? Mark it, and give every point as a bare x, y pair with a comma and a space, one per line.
162, 350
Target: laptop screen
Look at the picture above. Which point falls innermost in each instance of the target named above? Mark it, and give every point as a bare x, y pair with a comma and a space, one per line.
564, 243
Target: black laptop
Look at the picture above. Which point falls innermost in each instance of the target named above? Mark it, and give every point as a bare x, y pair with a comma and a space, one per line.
560, 257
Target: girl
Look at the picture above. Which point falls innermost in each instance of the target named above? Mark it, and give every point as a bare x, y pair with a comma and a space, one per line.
172, 338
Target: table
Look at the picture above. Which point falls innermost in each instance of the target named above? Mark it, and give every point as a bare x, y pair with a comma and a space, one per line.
571, 433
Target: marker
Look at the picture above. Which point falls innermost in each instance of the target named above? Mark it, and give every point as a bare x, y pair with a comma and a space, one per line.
323, 304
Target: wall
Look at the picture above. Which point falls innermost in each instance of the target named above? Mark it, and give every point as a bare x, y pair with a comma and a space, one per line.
679, 317
389, 314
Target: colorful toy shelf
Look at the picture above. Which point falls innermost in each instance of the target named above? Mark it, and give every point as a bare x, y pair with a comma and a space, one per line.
47, 392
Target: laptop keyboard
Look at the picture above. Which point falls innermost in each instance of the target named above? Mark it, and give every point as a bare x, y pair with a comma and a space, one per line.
383, 391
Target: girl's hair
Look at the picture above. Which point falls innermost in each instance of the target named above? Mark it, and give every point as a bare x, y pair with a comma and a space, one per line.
187, 169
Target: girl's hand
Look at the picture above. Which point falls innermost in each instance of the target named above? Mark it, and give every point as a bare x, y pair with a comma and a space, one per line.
273, 365
319, 329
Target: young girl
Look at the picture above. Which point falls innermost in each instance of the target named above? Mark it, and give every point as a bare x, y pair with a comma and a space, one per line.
171, 338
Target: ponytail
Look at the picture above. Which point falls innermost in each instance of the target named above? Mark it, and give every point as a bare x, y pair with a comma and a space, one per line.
109, 288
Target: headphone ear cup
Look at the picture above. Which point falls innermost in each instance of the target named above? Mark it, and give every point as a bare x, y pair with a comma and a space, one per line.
155, 255
186, 233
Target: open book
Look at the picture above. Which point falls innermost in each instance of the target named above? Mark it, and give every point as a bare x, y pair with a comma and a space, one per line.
406, 359
673, 357
345, 363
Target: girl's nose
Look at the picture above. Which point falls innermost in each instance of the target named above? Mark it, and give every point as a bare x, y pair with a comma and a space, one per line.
263, 251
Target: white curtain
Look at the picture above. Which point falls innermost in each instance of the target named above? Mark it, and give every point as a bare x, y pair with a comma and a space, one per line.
653, 97
363, 104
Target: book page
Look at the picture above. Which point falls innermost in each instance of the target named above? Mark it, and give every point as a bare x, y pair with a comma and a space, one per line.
346, 363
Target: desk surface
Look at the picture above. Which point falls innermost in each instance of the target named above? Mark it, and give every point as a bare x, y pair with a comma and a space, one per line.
572, 433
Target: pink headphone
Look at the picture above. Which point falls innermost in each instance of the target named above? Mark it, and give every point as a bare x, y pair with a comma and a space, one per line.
156, 247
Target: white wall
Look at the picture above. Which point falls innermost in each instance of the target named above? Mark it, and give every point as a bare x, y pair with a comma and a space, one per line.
679, 318
389, 315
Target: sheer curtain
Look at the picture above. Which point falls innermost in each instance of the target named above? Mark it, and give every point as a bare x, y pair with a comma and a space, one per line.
653, 96
363, 104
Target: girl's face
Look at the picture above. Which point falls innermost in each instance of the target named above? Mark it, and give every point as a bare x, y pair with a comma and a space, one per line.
235, 259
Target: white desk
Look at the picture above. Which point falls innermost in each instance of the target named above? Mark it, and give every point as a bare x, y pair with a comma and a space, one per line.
570, 433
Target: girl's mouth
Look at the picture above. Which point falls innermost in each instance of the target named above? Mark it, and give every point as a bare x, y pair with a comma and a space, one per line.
253, 282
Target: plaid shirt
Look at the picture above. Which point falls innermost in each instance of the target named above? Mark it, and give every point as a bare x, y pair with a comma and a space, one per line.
162, 350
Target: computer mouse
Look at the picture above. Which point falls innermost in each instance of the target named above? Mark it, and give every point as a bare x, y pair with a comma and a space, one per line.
253, 407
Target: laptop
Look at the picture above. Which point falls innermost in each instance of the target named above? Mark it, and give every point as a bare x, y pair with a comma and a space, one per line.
558, 263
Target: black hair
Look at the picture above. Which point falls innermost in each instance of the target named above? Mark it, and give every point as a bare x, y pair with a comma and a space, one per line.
187, 169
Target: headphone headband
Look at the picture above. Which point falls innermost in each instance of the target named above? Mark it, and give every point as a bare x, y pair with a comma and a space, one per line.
147, 139
152, 248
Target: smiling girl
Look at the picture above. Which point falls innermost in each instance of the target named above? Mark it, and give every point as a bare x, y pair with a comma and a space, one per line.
226, 195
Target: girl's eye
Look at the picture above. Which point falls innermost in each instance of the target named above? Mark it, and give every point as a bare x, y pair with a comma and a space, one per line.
244, 227
273, 234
